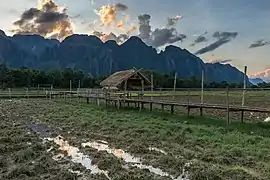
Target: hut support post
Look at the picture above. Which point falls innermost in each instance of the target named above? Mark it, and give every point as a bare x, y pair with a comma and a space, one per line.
142, 82
125, 94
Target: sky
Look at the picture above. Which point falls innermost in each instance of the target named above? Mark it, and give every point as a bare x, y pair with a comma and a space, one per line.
249, 19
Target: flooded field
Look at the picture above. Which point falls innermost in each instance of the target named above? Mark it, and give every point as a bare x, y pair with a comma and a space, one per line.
42, 139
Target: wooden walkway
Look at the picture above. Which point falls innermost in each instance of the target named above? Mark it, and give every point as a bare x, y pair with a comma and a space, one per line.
140, 103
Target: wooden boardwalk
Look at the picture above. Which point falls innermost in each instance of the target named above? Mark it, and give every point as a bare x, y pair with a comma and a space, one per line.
121, 101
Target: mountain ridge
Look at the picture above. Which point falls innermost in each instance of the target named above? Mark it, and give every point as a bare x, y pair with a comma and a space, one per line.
93, 56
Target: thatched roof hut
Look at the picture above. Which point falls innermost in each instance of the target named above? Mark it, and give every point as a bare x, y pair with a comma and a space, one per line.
127, 79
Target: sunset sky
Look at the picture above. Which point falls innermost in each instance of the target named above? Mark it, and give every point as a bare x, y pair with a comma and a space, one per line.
249, 18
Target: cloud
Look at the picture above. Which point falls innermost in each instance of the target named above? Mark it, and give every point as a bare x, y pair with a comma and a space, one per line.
145, 27
259, 43
111, 36
173, 20
158, 37
161, 37
120, 7
201, 38
222, 38
265, 74
221, 61
48, 20
108, 13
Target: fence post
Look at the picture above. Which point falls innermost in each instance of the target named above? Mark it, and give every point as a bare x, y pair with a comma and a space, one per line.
27, 94
9, 92
202, 87
174, 85
227, 102
152, 86
244, 88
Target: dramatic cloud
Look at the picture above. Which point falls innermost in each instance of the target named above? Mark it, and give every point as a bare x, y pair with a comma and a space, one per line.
172, 21
108, 13
120, 7
222, 38
199, 39
221, 61
145, 27
159, 36
48, 20
111, 36
259, 43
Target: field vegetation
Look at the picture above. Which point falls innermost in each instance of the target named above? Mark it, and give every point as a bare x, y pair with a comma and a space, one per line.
211, 148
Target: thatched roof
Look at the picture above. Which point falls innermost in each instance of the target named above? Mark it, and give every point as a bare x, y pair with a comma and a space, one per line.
119, 77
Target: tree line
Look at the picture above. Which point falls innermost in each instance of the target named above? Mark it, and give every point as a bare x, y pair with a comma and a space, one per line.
60, 78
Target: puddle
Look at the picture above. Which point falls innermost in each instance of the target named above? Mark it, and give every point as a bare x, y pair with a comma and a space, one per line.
157, 150
134, 161
75, 155
41, 129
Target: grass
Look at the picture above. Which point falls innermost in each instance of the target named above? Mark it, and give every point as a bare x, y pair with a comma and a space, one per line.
217, 151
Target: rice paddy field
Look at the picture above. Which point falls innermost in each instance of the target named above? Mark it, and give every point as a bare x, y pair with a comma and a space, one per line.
66, 140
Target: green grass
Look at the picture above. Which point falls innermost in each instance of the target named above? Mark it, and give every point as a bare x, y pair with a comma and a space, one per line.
217, 151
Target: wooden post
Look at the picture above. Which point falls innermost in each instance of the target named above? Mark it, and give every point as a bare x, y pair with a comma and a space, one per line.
188, 110
172, 109
125, 94
162, 107
151, 106
152, 86
202, 86
188, 95
78, 90
174, 85
70, 88
38, 89
27, 94
245, 84
9, 92
142, 88
227, 102
242, 116
141, 106
201, 111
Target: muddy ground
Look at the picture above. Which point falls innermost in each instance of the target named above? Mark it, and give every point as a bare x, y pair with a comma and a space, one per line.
179, 147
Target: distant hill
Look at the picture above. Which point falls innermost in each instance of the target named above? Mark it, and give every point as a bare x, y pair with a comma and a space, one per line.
256, 81
91, 55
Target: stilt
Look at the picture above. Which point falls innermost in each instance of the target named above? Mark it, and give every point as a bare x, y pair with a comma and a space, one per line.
151, 106
242, 116
172, 109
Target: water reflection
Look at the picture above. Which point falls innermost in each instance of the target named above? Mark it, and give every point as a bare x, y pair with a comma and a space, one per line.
75, 155
135, 161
